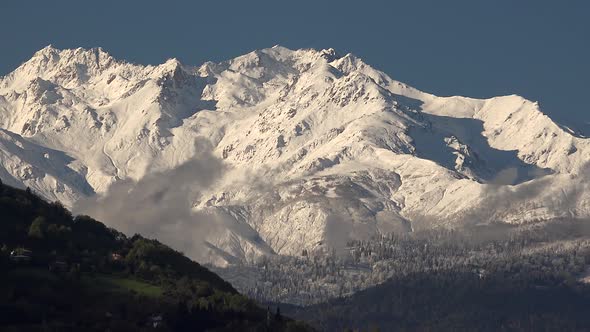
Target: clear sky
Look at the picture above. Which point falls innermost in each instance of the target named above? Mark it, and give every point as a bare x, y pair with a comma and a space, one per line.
539, 49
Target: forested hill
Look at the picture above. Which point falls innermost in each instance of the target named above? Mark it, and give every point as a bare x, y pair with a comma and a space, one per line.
73, 273
488, 278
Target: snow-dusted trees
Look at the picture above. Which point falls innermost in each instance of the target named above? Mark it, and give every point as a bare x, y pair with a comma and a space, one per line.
317, 277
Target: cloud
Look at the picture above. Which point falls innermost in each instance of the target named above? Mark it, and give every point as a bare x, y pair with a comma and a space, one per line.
499, 199
160, 205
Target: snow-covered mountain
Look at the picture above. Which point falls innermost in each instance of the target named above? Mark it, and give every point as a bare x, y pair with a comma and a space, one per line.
319, 147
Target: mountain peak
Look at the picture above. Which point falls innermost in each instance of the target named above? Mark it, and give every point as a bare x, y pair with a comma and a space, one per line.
329, 54
62, 67
172, 65
49, 49
79, 54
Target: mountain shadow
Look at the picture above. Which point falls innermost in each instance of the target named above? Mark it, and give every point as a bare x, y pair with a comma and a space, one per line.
459, 145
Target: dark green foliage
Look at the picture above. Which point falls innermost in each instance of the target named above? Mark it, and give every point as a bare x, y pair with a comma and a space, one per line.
84, 276
457, 301
38, 228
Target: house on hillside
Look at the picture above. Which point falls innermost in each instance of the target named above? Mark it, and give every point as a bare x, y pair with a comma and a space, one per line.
21, 255
115, 257
156, 321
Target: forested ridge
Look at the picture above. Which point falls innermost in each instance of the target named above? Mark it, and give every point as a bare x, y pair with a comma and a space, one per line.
495, 278
66, 273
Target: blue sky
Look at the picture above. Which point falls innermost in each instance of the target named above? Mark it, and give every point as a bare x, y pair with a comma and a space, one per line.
536, 48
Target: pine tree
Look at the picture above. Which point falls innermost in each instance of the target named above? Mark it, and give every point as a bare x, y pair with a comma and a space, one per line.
37, 228
278, 316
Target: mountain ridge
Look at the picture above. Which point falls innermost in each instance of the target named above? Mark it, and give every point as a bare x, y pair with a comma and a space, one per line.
311, 139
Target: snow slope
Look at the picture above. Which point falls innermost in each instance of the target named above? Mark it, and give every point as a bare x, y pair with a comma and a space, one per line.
320, 147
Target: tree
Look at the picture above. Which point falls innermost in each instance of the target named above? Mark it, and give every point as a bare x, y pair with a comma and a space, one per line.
38, 228
278, 316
